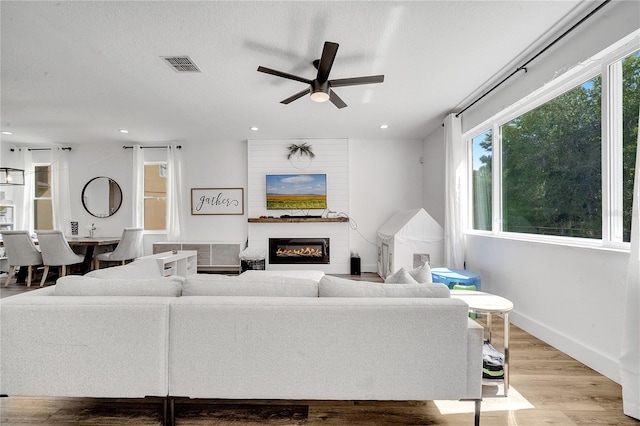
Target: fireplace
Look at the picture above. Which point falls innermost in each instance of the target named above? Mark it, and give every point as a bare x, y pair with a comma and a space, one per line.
298, 250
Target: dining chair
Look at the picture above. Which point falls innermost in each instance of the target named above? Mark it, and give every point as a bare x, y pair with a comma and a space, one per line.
20, 251
56, 252
128, 248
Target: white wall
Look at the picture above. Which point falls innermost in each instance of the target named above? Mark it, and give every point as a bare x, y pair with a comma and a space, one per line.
613, 22
332, 159
84, 164
208, 164
385, 176
214, 164
572, 298
434, 175
569, 297
87, 163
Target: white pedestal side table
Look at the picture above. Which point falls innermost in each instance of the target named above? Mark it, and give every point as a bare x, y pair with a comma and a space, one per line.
489, 304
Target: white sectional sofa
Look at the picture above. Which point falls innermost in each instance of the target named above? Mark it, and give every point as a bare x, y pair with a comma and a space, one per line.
264, 337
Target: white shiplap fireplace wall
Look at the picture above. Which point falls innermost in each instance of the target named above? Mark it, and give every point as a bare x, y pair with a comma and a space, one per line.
270, 157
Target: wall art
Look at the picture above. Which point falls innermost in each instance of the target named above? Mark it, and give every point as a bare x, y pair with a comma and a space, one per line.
208, 201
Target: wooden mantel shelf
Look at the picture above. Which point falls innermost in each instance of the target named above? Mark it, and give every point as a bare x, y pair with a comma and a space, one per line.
297, 219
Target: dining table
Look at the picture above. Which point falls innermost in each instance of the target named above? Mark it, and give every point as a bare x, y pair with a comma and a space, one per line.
91, 243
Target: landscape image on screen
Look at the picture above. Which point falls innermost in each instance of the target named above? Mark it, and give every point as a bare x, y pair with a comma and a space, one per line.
296, 192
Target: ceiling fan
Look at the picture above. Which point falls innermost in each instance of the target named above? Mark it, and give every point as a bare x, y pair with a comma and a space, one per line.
321, 87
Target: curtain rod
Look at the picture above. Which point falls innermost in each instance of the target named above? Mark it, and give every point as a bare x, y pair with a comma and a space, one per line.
64, 148
159, 146
524, 66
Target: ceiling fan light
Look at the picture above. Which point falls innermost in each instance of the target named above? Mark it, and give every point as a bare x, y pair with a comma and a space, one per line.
319, 96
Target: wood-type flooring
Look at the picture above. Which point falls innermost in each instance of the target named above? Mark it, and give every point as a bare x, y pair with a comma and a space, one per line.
547, 388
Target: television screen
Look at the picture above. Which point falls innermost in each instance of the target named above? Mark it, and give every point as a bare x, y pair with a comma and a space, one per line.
296, 192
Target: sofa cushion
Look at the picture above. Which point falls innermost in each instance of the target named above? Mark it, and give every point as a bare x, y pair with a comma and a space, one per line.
141, 268
75, 285
401, 276
232, 286
341, 287
267, 278
212, 277
304, 274
422, 273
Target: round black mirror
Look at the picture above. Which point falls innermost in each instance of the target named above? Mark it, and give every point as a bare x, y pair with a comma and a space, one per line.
101, 197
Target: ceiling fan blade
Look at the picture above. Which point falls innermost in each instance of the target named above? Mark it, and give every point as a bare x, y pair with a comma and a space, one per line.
354, 81
335, 99
296, 96
283, 75
326, 60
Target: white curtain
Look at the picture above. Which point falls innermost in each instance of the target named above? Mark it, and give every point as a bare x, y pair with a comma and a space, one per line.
174, 193
630, 353
454, 193
137, 193
60, 190
25, 220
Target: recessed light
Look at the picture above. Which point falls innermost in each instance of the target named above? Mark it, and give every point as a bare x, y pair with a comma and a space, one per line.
254, 128
123, 131
384, 126
6, 133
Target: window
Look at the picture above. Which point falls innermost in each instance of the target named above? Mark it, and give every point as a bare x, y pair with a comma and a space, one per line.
552, 166
630, 107
562, 161
155, 196
481, 180
42, 204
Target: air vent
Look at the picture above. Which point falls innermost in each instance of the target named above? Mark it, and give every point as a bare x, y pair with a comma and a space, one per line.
181, 63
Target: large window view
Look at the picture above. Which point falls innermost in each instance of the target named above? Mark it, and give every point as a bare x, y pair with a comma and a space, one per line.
551, 161
42, 204
481, 180
630, 107
552, 167
155, 196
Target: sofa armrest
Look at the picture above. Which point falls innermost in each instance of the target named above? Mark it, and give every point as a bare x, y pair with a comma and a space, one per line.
475, 341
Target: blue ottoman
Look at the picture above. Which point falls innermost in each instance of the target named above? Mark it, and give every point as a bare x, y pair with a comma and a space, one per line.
451, 277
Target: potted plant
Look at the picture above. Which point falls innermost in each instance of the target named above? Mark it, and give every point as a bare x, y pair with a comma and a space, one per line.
301, 150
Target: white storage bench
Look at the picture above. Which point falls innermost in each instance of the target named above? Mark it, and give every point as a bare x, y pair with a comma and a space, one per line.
212, 256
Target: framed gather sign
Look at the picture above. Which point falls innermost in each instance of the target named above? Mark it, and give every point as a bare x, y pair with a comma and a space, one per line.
217, 201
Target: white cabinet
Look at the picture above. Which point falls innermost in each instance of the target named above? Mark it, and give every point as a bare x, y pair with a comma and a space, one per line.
7, 217
4, 265
7, 223
212, 256
181, 263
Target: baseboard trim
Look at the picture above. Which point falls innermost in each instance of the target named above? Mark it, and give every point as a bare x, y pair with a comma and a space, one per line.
590, 357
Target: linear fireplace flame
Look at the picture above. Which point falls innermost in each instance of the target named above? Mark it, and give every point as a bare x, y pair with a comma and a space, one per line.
298, 250
306, 251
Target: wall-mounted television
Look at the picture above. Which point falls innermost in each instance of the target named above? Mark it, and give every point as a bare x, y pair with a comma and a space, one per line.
296, 192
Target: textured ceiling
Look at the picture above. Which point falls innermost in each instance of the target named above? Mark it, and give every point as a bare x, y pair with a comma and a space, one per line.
76, 72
